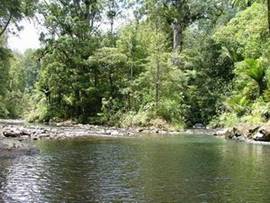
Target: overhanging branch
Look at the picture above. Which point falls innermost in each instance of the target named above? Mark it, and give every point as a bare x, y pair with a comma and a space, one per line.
6, 25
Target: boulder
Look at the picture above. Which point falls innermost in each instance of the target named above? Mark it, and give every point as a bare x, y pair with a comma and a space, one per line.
198, 126
263, 134
113, 133
11, 133
240, 132
226, 132
245, 130
259, 137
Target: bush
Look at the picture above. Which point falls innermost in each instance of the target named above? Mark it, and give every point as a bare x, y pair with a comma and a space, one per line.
133, 119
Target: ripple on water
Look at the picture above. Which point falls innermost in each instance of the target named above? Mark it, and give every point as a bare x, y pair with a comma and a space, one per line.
179, 169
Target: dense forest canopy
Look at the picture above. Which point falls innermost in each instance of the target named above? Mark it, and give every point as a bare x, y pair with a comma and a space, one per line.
176, 63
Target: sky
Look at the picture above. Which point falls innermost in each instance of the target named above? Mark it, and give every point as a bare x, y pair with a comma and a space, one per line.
26, 38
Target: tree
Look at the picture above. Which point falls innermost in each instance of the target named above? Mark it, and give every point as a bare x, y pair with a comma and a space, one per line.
242, 3
111, 66
5, 55
31, 67
12, 11
66, 80
248, 3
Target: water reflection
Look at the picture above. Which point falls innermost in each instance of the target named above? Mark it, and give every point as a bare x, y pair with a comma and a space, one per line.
180, 169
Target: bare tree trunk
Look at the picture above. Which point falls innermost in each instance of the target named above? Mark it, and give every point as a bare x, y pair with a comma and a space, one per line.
177, 36
177, 41
112, 24
113, 41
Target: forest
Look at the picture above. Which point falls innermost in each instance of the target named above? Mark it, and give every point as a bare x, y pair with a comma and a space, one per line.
163, 63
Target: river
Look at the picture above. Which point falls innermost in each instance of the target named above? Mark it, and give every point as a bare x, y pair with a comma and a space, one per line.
156, 169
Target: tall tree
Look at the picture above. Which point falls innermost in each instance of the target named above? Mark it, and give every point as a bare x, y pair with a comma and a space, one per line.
72, 37
12, 11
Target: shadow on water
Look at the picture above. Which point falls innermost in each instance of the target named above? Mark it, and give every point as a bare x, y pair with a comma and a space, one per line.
172, 169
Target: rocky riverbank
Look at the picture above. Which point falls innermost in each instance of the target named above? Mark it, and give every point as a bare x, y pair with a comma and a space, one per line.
16, 134
247, 133
71, 130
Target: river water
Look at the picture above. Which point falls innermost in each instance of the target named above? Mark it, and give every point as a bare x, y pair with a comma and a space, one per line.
157, 169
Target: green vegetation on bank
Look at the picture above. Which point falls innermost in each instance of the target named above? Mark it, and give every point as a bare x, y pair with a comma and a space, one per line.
174, 64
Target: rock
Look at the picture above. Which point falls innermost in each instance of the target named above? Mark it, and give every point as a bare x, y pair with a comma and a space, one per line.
24, 132
263, 134
43, 135
259, 137
68, 123
1, 133
198, 126
253, 129
140, 130
226, 132
11, 133
16, 147
240, 132
114, 133
244, 130
240, 138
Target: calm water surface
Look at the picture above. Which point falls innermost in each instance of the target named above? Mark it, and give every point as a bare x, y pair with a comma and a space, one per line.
175, 169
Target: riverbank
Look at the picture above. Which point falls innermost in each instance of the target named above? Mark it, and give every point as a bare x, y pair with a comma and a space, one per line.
63, 130
16, 134
258, 134
68, 129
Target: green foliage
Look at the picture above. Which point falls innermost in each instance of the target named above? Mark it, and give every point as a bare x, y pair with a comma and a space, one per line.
12, 11
177, 63
246, 39
242, 3
245, 35
131, 78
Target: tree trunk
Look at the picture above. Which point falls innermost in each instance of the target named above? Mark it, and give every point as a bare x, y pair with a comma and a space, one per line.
177, 36
111, 84
177, 41
130, 96
95, 78
157, 81
262, 86
6, 25
268, 13
112, 25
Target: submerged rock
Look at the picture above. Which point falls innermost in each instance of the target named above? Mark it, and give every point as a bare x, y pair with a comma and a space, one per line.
16, 147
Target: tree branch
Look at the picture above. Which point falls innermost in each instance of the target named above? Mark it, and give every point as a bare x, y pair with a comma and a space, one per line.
5, 27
